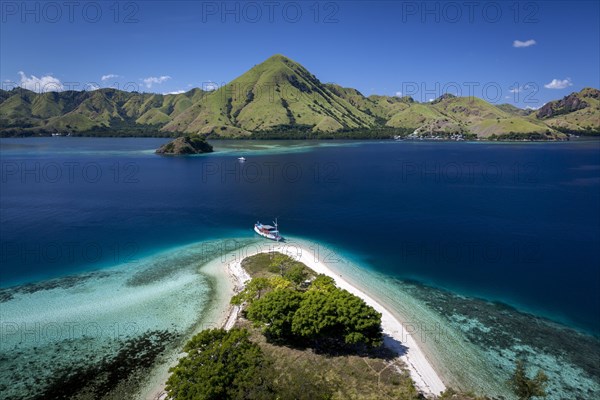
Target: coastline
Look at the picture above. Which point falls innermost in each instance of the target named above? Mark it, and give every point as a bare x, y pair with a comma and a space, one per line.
221, 314
461, 351
397, 337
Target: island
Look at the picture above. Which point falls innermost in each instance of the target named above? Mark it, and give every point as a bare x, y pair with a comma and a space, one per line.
295, 329
185, 145
291, 324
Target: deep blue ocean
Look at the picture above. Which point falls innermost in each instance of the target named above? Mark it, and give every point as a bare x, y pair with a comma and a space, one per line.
514, 222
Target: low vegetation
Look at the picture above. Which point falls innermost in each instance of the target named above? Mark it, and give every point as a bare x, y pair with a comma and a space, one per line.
323, 316
266, 356
302, 338
306, 132
515, 136
220, 365
289, 309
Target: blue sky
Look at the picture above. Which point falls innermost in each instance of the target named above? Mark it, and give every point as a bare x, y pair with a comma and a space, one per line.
397, 47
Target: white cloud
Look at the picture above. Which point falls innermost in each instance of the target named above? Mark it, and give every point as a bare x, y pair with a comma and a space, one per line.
398, 94
151, 80
109, 76
534, 108
527, 43
516, 90
46, 83
175, 92
559, 84
209, 86
91, 86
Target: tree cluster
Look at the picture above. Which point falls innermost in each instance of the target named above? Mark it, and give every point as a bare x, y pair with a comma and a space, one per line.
322, 313
220, 365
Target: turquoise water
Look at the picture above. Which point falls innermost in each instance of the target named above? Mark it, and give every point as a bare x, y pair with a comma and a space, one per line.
120, 318
494, 243
474, 343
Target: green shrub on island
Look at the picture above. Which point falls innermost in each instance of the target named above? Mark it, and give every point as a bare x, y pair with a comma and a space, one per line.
256, 288
223, 365
288, 268
296, 274
337, 314
220, 365
280, 263
323, 283
267, 265
271, 271
275, 312
279, 302
322, 312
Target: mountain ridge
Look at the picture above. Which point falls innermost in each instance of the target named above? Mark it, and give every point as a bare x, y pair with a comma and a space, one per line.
280, 95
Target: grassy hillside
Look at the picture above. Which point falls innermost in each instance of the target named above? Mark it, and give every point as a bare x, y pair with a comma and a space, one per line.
576, 113
279, 98
25, 112
477, 116
274, 93
391, 105
414, 115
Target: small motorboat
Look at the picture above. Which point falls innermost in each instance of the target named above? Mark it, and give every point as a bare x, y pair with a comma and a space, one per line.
241, 159
268, 231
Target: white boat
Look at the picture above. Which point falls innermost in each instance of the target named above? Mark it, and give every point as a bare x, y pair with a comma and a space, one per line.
241, 159
268, 231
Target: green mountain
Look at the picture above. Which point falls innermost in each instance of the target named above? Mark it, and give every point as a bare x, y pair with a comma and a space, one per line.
484, 119
23, 111
280, 97
575, 113
278, 92
449, 114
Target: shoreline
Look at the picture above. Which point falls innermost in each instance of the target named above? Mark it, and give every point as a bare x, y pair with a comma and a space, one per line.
396, 336
232, 280
580, 137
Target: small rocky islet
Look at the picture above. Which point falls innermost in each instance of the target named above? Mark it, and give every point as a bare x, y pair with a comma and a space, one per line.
185, 145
